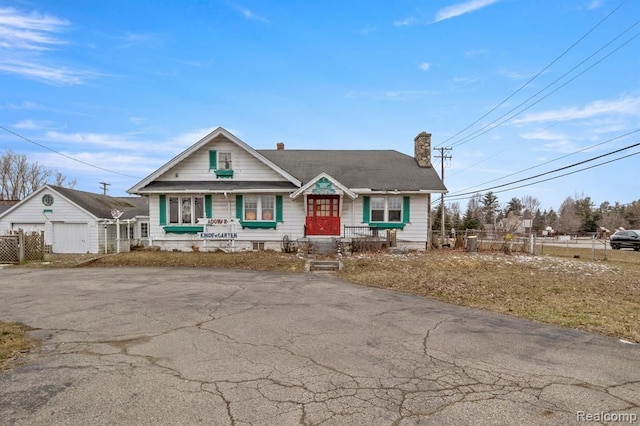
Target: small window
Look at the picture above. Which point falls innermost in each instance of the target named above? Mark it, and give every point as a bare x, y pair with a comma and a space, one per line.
185, 210
386, 209
144, 230
260, 208
377, 209
395, 209
224, 161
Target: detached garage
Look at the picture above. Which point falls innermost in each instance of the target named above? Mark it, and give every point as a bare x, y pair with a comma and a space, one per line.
80, 222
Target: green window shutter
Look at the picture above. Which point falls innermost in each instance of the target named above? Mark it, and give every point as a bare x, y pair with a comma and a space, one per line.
163, 209
406, 205
366, 211
213, 159
239, 207
279, 208
208, 205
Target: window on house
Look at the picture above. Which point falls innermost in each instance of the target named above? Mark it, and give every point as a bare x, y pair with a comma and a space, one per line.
185, 210
224, 161
259, 208
377, 209
386, 209
144, 230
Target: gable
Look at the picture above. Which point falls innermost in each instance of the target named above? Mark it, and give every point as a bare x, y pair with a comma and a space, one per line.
198, 165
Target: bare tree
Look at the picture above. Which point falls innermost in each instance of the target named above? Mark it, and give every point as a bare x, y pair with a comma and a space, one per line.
530, 205
19, 177
568, 219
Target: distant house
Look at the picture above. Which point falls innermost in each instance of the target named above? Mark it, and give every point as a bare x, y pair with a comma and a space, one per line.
80, 222
222, 193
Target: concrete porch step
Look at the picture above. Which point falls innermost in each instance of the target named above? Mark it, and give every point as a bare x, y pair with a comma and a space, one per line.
323, 265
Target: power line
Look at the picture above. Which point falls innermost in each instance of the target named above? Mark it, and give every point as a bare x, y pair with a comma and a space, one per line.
539, 72
65, 155
556, 170
489, 126
550, 161
556, 177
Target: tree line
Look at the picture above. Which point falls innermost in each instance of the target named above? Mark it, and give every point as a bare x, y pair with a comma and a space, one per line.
19, 177
577, 214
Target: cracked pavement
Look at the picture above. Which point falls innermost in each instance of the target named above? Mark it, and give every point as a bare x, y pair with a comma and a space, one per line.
206, 346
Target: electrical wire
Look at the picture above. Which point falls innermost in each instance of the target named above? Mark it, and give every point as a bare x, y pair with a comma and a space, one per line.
65, 155
539, 72
550, 161
479, 132
554, 177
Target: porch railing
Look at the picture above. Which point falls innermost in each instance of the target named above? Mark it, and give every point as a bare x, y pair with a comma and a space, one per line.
364, 232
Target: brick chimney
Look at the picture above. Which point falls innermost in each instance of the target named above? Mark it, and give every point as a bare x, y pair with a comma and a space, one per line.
280, 146
422, 149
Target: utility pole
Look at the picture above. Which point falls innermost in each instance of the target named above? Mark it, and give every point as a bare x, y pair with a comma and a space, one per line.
104, 187
442, 157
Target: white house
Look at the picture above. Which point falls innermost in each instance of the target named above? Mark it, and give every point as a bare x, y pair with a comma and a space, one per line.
80, 222
222, 193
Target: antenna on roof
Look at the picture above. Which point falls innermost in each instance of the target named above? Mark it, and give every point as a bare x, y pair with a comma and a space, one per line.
104, 187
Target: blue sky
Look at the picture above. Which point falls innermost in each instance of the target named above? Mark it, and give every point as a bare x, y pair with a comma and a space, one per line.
516, 87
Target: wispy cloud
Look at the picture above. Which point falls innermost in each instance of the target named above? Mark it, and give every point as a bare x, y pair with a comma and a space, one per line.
624, 106
405, 22
29, 31
251, 15
425, 66
367, 30
461, 9
514, 75
35, 125
25, 39
594, 4
390, 95
132, 39
56, 75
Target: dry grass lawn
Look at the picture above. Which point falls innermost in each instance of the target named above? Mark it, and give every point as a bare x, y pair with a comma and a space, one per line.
598, 296
13, 341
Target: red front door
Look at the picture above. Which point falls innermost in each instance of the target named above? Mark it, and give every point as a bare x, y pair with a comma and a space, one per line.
323, 215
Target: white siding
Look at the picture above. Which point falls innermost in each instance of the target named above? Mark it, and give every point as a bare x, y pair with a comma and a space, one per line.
414, 233
292, 225
31, 210
196, 167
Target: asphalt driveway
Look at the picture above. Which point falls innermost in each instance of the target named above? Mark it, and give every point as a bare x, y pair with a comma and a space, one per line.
204, 346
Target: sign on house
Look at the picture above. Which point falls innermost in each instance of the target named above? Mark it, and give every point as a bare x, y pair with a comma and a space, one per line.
219, 233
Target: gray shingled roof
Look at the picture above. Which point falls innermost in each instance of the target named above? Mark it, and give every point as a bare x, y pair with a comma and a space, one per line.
218, 185
376, 170
100, 205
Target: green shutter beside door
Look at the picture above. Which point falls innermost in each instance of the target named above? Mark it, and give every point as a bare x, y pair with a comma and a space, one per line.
279, 208
213, 159
366, 212
208, 205
406, 205
163, 209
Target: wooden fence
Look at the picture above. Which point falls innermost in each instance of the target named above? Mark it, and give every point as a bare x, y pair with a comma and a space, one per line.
18, 247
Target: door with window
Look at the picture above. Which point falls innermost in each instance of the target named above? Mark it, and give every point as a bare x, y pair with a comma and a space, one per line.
323, 215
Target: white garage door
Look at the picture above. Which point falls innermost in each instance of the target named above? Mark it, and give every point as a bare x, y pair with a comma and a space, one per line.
70, 238
28, 227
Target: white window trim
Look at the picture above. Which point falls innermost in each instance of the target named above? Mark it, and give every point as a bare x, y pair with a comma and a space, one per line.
258, 208
194, 219
220, 160
386, 209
